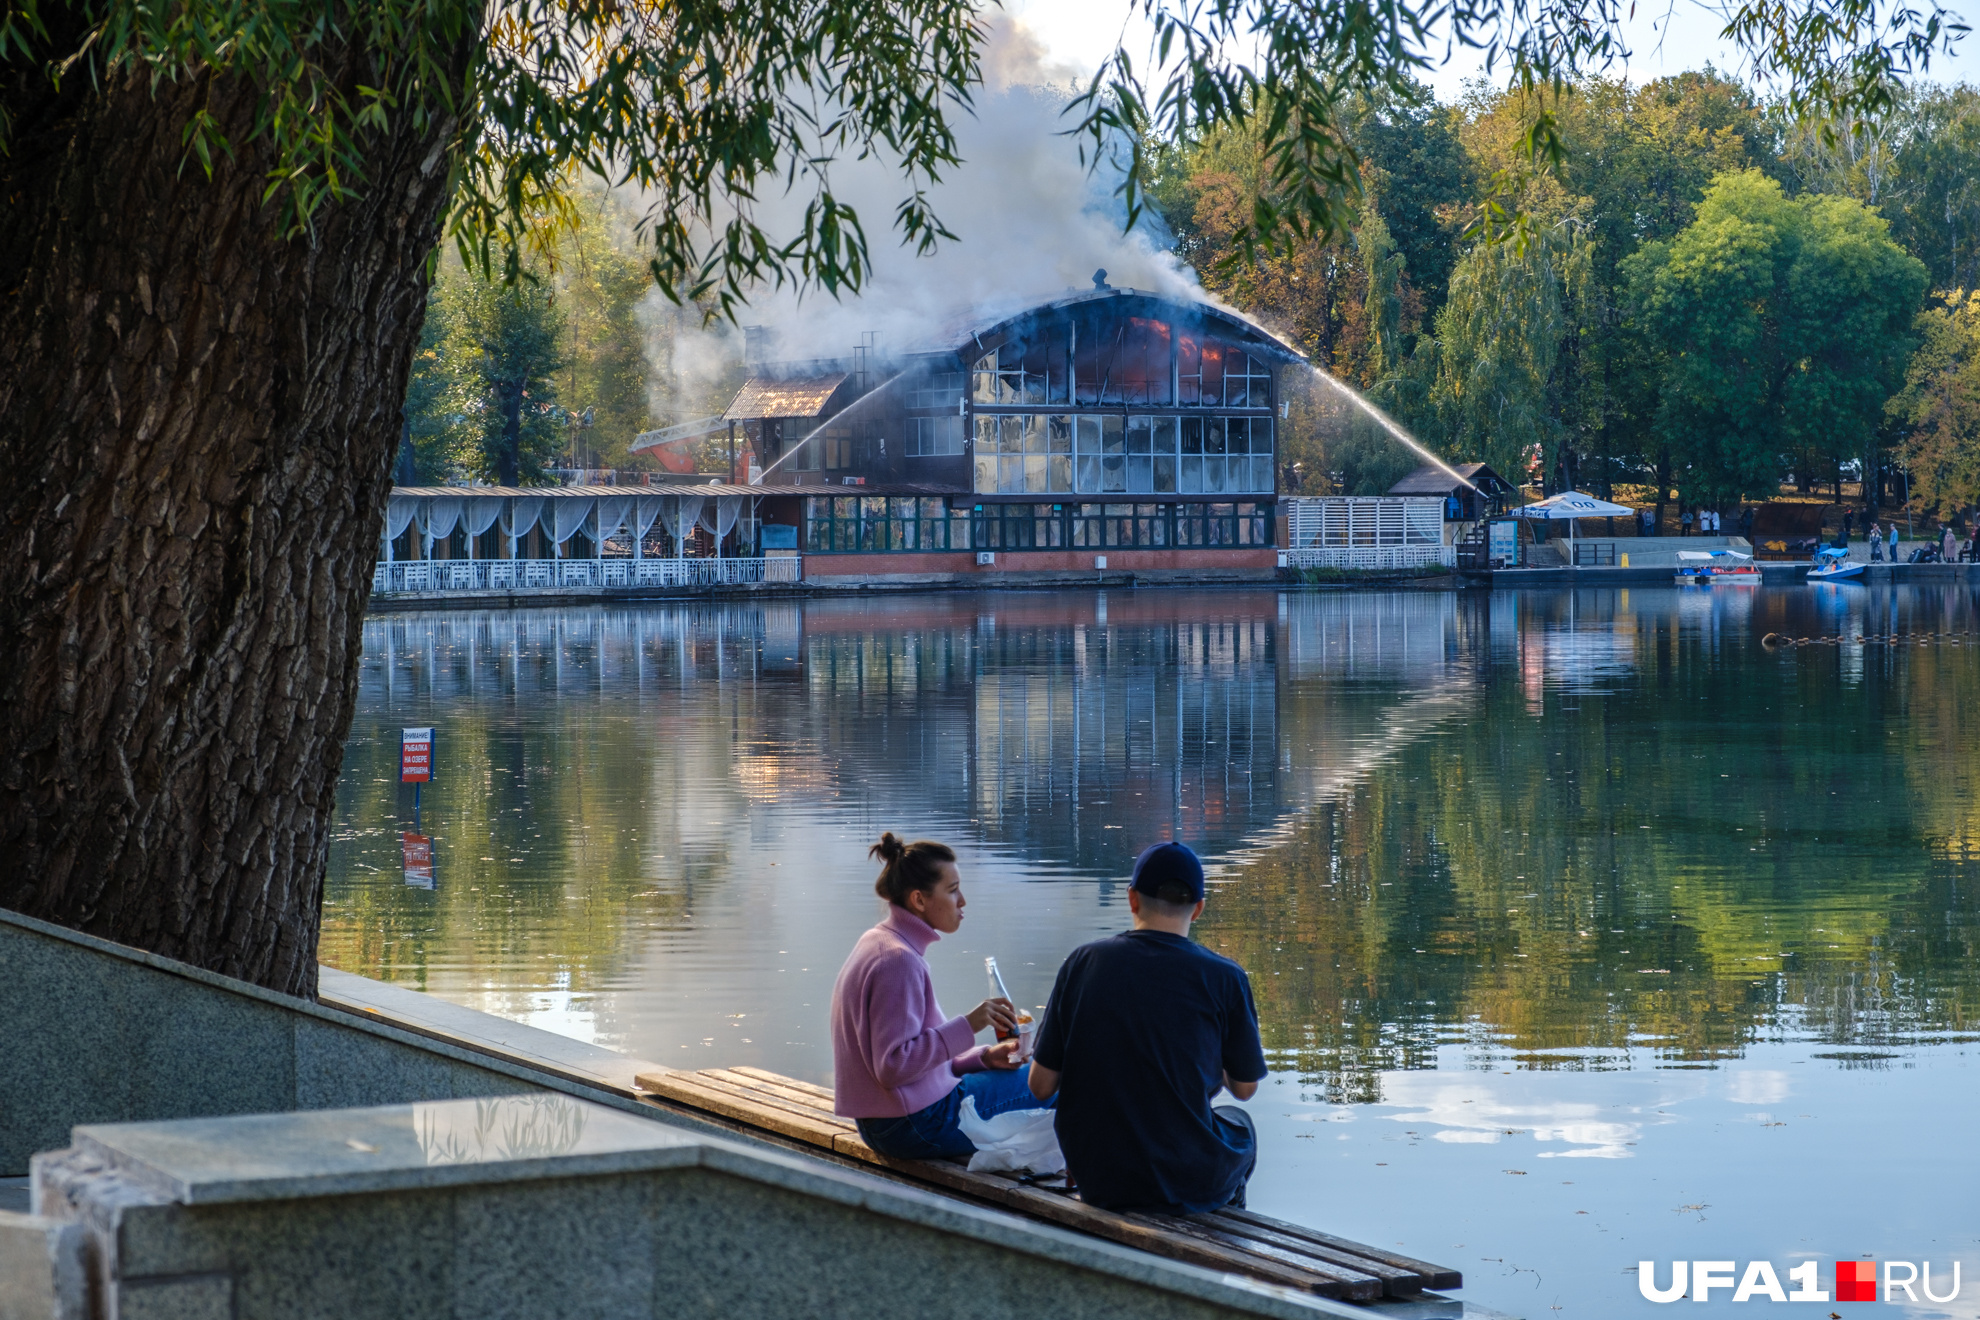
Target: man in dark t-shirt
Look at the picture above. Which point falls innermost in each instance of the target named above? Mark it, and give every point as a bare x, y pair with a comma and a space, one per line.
1141, 1031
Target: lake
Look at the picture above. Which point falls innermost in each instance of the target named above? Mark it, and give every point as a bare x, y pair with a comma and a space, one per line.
1676, 957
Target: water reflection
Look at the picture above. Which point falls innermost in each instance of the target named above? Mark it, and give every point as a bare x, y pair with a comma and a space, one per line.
513, 1127
1581, 830
1584, 876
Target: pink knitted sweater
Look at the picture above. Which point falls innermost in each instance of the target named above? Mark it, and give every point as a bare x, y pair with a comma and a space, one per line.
893, 1051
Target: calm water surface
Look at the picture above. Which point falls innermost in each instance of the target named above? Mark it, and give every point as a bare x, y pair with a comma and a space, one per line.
1584, 928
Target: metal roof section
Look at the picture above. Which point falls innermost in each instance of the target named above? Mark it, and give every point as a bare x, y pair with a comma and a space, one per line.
901, 489
766, 396
1174, 309
711, 486
1432, 480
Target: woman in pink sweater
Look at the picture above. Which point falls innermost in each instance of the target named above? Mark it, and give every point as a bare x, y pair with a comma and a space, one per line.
901, 1068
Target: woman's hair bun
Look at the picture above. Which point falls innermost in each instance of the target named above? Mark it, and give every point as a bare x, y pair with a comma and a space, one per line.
906, 867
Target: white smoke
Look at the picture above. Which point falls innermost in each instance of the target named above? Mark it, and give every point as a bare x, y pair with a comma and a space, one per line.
1032, 224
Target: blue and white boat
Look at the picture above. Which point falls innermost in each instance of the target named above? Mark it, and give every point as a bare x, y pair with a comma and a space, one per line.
1833, 564
1725, 568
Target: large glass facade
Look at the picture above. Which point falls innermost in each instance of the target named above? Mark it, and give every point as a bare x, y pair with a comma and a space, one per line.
1107, 454
870, 524
867, 523
1093, 358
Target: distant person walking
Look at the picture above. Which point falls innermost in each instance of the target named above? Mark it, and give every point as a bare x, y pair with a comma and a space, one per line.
1947, 545
1849, 520
1746, 524
1876, 544
1648, 520
1684, 524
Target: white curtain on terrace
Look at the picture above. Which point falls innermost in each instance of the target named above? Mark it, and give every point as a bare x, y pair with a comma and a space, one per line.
442, 516
613, 510
481, 513
721, 518
645, 510
400, 511
523, 513
680, 512
568, 516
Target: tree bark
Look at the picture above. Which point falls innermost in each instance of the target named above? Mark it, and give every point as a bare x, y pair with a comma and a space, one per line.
198, 419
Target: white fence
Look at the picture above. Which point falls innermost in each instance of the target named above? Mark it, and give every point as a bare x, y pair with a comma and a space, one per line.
504, 575
1364, 521
1356, 556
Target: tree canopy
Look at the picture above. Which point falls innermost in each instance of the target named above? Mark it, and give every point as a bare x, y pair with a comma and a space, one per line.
1785, 324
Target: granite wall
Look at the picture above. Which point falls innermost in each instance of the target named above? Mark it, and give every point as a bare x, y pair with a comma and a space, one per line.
94, 1032
528, 1207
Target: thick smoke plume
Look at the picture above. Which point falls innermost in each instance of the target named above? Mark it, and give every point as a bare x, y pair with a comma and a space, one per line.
1032, 224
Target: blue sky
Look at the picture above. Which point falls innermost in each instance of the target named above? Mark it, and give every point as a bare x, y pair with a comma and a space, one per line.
1664, 37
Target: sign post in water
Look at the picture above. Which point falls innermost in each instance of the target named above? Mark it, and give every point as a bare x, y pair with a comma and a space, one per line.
416, 761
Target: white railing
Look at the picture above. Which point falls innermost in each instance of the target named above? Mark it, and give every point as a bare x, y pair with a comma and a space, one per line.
468, 576
1364, 521
1361, 556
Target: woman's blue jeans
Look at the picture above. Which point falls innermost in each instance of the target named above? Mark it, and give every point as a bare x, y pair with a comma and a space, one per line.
935, 1131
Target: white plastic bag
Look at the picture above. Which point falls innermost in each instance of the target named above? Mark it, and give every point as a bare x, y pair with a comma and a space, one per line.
1013, 1140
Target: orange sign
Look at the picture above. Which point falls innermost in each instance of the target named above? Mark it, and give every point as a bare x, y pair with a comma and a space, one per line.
416, 756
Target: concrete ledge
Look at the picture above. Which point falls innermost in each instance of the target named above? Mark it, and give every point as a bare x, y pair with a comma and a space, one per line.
533, 1048
579, 1210
103, 1033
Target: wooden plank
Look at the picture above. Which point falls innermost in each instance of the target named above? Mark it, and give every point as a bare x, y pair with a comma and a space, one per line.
751, 1094
1439, 1276
1397, 1282
1354, 1285
786, 1094
1128, 1230
764, 1075
783, 1094
701, 1094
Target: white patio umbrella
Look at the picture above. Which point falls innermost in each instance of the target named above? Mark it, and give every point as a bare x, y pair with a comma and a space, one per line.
1570, 505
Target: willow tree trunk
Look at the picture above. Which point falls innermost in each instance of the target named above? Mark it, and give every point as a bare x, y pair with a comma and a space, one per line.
197, 423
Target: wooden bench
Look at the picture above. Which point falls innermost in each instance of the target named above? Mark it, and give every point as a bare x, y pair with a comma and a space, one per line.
1235, 1241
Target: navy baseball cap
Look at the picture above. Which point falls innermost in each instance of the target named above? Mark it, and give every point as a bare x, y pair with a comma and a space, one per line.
1165, 862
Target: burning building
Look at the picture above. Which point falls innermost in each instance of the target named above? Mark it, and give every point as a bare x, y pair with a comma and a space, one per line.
1115, 430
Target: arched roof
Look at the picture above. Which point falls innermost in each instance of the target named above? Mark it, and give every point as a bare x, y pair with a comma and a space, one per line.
1137, 302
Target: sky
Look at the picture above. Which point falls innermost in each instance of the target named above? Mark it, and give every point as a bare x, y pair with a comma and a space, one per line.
1664, 37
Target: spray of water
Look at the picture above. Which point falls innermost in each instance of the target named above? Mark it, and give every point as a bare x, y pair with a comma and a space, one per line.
1387, 423
835, 418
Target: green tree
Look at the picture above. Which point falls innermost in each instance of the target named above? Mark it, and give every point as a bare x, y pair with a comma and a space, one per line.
1937, 217
432, 422
1498, 341
601, 283
1419, 175
1938, 410
508, 336
1918, 163
1636, 159
1788, 321
482, 403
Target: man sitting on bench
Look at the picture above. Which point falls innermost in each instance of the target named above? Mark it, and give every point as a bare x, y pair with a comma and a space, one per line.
1142, 1030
